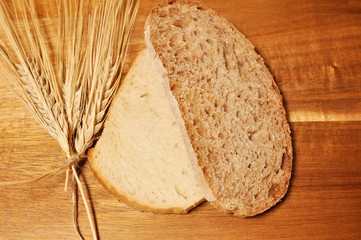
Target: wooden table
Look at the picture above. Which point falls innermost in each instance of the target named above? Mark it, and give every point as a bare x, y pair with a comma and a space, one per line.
313, 49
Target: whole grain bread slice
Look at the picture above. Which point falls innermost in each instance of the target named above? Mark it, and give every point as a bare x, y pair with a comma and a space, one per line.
231, 106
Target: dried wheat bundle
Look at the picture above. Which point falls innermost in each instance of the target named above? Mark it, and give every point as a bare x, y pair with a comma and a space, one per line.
68, 84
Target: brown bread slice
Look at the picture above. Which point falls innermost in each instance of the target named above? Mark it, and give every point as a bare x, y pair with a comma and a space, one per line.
231, 106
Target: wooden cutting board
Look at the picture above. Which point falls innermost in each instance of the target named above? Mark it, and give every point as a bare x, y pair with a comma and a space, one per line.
313, 49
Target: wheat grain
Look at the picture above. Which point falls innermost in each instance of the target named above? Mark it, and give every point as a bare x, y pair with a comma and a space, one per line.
35, 102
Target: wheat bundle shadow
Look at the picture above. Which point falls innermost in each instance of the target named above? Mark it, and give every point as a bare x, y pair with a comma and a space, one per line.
69, 83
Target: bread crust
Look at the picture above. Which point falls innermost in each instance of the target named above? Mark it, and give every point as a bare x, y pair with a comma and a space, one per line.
279, 183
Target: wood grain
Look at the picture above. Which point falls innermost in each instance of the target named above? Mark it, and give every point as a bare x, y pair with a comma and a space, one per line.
313, 49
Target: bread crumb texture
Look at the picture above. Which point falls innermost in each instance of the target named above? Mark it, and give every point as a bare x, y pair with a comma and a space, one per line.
141, 156
231, 105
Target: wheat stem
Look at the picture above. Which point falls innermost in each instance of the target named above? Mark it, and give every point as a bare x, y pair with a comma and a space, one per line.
66, 180
80, 185
48, 174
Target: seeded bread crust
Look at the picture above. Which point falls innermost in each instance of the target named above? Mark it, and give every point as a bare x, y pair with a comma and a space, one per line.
231, 106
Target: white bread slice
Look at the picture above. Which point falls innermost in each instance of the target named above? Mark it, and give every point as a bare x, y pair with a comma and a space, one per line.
142, 155
230, 103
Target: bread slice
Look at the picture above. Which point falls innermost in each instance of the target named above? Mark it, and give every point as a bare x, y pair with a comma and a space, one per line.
231, 106
142, 156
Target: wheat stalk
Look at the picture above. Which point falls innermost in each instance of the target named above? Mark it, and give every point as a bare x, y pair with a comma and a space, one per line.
69, 87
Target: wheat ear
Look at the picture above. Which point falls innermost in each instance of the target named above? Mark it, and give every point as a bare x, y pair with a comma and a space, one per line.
34, 72
69, 97
104, 68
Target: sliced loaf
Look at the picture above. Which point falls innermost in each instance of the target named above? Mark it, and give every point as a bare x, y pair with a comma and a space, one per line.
231, 106
142, 155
